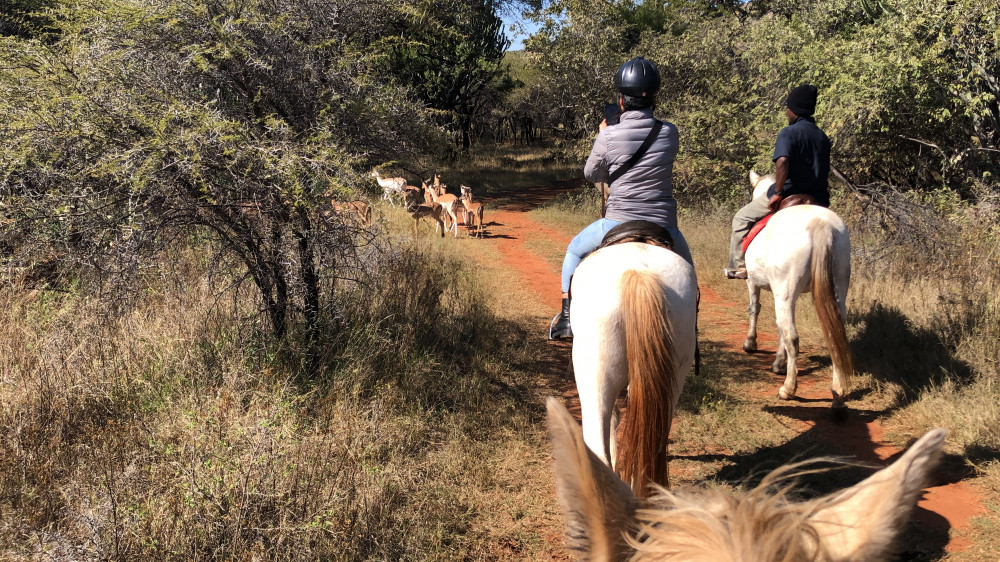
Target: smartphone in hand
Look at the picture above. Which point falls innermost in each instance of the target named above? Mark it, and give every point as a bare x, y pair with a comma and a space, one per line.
611, 113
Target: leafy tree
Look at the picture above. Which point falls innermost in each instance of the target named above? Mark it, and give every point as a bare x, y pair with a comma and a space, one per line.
148, 122
449, 54
908, 89
579, 46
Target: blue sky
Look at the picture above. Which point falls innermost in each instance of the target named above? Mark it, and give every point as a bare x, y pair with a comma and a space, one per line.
517, 40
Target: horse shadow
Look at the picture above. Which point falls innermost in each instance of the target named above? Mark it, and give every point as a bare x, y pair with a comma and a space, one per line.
893, 349
926, 535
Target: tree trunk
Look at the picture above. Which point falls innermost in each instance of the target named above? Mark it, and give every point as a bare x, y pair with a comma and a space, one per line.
310, 283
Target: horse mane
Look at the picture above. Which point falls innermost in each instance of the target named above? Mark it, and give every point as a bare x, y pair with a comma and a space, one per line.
765, 523
825, 300
645, 428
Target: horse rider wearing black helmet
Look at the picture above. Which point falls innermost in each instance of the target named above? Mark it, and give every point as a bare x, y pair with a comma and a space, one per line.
642, 191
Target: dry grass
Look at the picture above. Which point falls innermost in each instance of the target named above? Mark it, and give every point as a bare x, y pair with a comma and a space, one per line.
179, 432
170, 433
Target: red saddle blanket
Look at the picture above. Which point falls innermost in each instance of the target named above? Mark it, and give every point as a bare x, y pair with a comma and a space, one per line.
755, 230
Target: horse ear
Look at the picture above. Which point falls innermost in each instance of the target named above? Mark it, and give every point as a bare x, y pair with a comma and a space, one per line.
754, 177
599, 507
861, 522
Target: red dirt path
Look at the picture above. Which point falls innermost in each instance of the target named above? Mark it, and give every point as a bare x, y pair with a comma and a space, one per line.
947, 506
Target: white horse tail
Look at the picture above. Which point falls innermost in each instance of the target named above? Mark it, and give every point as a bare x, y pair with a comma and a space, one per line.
645, 429
825, 299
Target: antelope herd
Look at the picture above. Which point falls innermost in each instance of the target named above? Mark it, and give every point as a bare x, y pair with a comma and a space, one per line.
431, 201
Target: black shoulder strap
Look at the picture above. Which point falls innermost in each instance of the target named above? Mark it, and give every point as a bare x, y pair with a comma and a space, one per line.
638, 153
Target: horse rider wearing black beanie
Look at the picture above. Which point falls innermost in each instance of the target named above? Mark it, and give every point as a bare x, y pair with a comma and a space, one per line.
801, 166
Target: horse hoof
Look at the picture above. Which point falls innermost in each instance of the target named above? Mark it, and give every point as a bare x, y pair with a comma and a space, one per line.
784, 394
839, 412
749, 346
778, 369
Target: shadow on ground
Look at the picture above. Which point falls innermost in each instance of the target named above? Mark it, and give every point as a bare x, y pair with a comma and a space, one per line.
891, 347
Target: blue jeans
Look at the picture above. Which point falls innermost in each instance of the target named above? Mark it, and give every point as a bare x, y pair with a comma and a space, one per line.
590, 238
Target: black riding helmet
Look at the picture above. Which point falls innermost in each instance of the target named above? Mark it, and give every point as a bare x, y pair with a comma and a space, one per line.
638, 78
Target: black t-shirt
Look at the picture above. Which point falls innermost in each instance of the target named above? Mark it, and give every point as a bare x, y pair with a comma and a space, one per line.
808, 150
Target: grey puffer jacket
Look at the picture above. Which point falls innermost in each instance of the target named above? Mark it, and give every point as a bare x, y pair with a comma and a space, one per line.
646, 192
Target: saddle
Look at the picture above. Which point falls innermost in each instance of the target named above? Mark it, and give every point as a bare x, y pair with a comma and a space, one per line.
644, 232
790, 201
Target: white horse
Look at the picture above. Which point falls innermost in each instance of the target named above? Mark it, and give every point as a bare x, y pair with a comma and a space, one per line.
607, 522
804, 248
633, 314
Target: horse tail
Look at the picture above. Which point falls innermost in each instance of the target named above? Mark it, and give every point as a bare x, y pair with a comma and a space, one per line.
825, 299
645, 429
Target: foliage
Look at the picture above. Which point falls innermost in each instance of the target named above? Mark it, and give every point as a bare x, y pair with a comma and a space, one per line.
148, 122
581, 45
448, 53
24, 18
168, 433
902, 84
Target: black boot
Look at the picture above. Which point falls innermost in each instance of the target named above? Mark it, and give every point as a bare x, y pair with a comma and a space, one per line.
559, 328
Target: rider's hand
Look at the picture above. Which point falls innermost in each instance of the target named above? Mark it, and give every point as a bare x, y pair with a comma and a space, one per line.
774, 202
603, 124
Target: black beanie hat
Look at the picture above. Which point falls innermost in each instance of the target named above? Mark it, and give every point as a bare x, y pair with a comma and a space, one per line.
802, 100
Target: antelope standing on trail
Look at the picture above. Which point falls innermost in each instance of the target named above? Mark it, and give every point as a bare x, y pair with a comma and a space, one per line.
449, 204
439, 187
419, 211
473, 214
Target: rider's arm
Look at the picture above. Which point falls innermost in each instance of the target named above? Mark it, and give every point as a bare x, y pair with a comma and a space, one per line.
780, 175
596, 169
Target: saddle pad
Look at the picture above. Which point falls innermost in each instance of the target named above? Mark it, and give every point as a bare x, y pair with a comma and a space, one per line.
755, 230
638, 231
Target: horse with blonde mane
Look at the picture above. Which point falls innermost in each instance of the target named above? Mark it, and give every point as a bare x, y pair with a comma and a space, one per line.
607, 522
804, 248
633, 310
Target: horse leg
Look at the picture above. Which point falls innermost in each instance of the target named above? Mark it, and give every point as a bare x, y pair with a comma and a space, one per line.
837, 385
616, 417
601, 373
788, 346
780, 365
753, 310
597, 413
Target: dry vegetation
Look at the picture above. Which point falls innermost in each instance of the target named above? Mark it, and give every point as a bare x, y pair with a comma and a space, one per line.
173, 432
177, 432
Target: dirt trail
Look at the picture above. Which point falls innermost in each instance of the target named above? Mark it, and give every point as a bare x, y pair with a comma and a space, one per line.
949, 505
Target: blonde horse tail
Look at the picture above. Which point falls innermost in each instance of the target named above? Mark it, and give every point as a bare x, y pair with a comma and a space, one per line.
825, 300
645, 428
